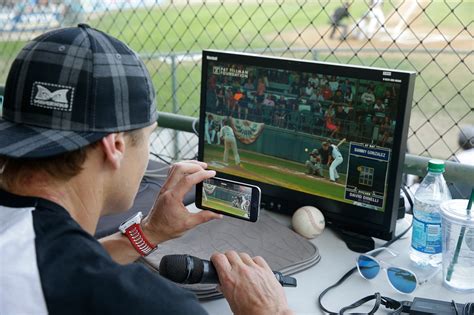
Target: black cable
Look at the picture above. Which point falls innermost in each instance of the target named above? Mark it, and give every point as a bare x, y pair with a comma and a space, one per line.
378, 300
410, 200
340, 281
455, 307
159, 157
351, 271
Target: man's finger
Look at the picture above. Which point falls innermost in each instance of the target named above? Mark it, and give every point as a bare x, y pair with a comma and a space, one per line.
204, 216
221, 263
187, 182
202, 164
178, 171
246, 259
233, 257
262, 263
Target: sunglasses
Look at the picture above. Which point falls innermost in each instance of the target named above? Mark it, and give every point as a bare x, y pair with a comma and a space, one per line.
401, 279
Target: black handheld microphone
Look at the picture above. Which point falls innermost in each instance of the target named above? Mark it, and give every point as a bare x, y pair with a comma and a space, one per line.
187, 269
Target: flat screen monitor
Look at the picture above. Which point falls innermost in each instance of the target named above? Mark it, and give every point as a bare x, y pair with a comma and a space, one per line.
309, 133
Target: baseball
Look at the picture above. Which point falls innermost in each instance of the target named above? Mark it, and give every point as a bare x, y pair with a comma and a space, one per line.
305, 149
308, 221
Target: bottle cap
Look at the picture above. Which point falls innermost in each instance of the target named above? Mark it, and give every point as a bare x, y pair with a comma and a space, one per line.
436, 166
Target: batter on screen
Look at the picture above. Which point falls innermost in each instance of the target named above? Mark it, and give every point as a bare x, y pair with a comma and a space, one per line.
227, 134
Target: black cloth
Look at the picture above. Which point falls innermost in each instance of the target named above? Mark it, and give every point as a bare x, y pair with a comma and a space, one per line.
78, 276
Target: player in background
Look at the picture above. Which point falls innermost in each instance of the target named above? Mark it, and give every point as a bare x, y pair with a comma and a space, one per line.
227, 134
334, 160
313, 165
244, 203
236, 201
338, 15
214, 128
208, 128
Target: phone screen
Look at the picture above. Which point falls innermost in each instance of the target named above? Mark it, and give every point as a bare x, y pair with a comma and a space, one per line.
229, 197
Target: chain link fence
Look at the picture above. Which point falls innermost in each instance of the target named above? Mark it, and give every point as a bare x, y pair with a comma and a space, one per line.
433, 38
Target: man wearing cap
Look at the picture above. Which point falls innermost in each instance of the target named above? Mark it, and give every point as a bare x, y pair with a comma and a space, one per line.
78, 112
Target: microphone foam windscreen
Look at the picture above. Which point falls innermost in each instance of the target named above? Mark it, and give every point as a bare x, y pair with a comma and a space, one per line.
174, 268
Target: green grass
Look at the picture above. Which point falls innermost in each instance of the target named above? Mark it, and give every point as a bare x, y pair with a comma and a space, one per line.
448, 13
247, 26
220, 205
192, 28
8, 51
276, 171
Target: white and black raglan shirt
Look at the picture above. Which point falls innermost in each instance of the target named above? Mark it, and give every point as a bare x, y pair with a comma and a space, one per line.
50, 265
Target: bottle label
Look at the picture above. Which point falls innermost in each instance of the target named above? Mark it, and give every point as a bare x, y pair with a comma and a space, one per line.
426, 237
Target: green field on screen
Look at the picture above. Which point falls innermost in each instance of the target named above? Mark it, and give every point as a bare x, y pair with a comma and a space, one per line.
223, 206
276, 171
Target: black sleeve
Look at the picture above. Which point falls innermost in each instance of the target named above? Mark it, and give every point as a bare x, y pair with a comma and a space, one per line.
79, 277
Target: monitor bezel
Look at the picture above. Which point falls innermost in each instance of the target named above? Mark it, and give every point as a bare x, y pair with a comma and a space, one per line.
337, 213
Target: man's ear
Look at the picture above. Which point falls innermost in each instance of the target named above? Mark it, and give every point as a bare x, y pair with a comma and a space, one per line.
113, 146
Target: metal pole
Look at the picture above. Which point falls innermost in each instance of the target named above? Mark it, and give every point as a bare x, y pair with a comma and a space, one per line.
177, 122
174, 91
455, 172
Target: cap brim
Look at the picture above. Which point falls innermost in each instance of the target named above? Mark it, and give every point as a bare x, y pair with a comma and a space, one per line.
26, 141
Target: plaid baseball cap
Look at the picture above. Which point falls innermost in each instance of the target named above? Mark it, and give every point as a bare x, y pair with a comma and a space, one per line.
69, 88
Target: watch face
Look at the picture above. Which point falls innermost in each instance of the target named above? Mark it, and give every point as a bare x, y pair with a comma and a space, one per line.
135, 219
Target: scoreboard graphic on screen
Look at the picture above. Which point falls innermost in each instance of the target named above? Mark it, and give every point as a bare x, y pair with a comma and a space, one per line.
367, 174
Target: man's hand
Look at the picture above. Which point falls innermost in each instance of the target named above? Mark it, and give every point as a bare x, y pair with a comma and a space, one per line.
249, 285
169, 218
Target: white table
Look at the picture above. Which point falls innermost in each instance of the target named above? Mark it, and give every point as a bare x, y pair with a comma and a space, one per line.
336, 260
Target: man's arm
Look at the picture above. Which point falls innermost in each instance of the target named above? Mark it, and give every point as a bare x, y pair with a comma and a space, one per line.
168, 218
120, 248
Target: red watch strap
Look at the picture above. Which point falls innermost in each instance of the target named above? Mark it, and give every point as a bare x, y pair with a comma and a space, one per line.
138, 240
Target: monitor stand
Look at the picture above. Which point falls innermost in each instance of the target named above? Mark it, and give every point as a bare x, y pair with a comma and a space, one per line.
356, 242
362, 243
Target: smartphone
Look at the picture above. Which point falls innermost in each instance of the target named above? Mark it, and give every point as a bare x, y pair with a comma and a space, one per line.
235, 199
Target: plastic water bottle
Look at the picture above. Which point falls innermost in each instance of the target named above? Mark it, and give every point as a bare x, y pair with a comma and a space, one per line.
426, 232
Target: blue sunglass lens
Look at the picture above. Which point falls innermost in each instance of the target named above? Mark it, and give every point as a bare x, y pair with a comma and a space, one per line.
402, 280
368, 267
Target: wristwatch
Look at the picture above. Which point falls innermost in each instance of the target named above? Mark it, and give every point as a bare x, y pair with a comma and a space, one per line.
132, 229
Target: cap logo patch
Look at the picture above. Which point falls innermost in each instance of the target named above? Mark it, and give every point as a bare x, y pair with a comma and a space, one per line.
52, 96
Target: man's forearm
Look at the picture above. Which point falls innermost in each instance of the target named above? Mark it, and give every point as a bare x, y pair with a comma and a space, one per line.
120, 248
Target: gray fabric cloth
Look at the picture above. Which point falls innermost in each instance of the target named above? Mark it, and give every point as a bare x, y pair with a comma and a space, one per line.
283, 249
